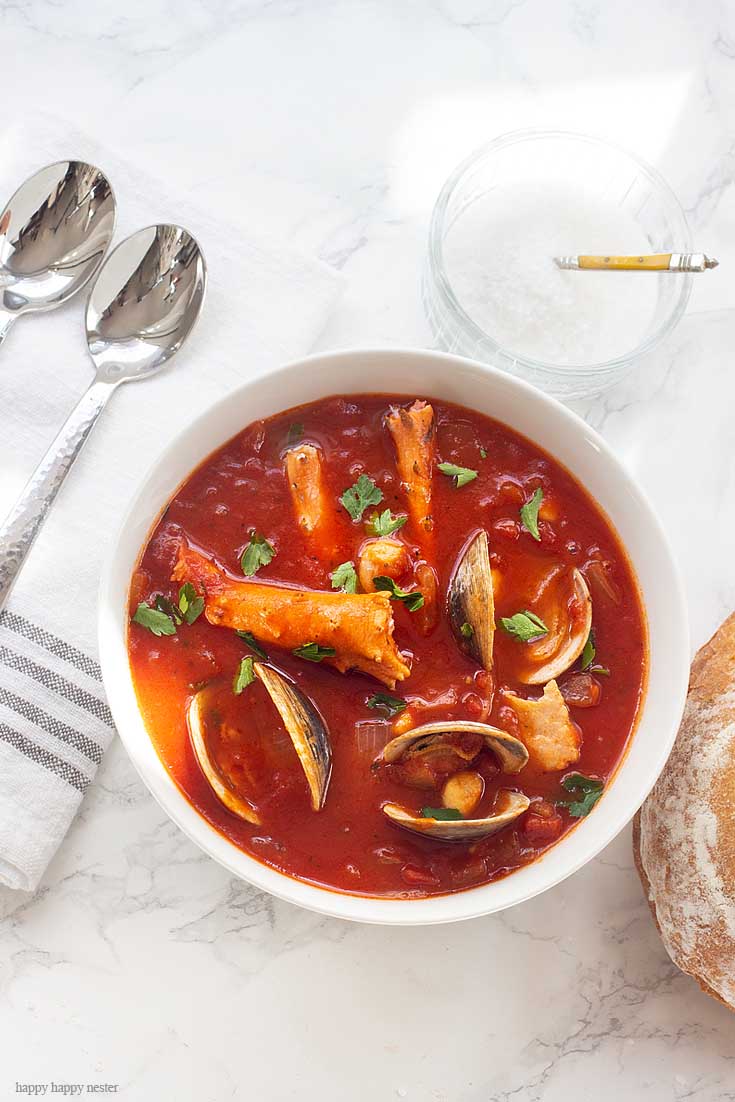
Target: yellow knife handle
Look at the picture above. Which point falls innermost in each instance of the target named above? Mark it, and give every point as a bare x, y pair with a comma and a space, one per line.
659, 263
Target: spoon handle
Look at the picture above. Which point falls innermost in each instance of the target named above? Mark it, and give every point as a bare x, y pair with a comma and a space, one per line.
23, 522
6, 320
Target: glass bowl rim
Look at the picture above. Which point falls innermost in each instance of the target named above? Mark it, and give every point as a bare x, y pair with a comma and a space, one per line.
450, 301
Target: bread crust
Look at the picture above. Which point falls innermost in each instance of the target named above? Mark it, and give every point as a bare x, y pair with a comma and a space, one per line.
684, 835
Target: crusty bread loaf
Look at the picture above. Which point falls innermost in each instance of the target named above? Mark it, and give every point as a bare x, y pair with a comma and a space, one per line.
684, 835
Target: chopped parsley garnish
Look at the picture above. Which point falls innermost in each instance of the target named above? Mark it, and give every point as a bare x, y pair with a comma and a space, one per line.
295, 432
155, 620
392, 705
312, 652
483, 453
245, 675
467, 630
165, 616
412, 601
587, 656
357, 498
249, 639
529, 513
344, 577
525, 626
447, 814
588, 791
463, 475
165, 604
191, 605
258, 552
385, 523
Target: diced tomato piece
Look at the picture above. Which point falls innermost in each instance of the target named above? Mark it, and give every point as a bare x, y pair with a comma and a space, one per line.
508, 720
482, 679
543, 824
474, 705
581, 690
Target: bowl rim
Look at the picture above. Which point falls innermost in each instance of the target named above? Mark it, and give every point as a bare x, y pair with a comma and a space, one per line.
557, 863
437, 269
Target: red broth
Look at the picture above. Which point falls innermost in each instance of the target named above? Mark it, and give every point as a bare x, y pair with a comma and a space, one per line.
350, 845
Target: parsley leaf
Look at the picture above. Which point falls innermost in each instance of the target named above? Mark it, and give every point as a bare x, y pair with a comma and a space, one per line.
483, 453
462, 474
384, 524
295, 432
245, 675
525, 626
467, 630
312, 652
165, 604
412, 601
155, 620
443, 814
587, 657
344, 577
589, 788
258, 552
392, 705
529, 513
249, 639
357, 498
191, 605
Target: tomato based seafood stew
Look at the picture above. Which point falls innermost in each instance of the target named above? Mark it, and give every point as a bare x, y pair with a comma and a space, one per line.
386, 645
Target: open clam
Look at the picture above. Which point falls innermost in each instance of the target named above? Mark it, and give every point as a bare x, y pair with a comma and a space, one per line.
509, 805
433, 737
565, 606
304, 725
220, 784
471, 601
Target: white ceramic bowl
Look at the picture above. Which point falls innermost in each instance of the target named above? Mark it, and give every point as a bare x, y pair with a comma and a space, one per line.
543, 421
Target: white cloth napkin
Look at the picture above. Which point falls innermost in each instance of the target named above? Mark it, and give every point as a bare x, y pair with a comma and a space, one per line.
264, 304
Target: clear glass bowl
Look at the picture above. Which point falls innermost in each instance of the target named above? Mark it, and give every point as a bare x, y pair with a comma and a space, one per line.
612, 180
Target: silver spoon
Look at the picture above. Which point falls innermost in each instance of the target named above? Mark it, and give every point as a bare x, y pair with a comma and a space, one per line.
143, 306
54, 233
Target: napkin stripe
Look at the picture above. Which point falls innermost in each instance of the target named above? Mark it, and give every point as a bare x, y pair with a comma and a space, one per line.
58, 647
62, 769
52, 680
52, 726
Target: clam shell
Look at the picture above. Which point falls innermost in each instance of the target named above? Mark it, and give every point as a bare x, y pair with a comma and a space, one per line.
305, 726
510, 751
555, 652
231, 799
471, 600
508, 807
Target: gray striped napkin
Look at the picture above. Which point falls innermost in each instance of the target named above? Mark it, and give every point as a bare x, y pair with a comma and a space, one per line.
265, 304
54, 728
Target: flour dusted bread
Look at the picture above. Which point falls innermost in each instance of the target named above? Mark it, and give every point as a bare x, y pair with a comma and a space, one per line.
684, 835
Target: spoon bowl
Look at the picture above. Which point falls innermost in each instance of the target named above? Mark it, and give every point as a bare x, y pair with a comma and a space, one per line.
54, 233
145, 302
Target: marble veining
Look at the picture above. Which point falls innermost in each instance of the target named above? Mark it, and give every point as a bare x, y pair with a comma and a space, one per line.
333, 122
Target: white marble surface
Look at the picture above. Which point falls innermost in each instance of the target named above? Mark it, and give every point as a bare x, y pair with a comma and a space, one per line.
140, 962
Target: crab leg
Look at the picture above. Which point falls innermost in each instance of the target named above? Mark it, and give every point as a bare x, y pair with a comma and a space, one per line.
303, 467
414, 431
357, 626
